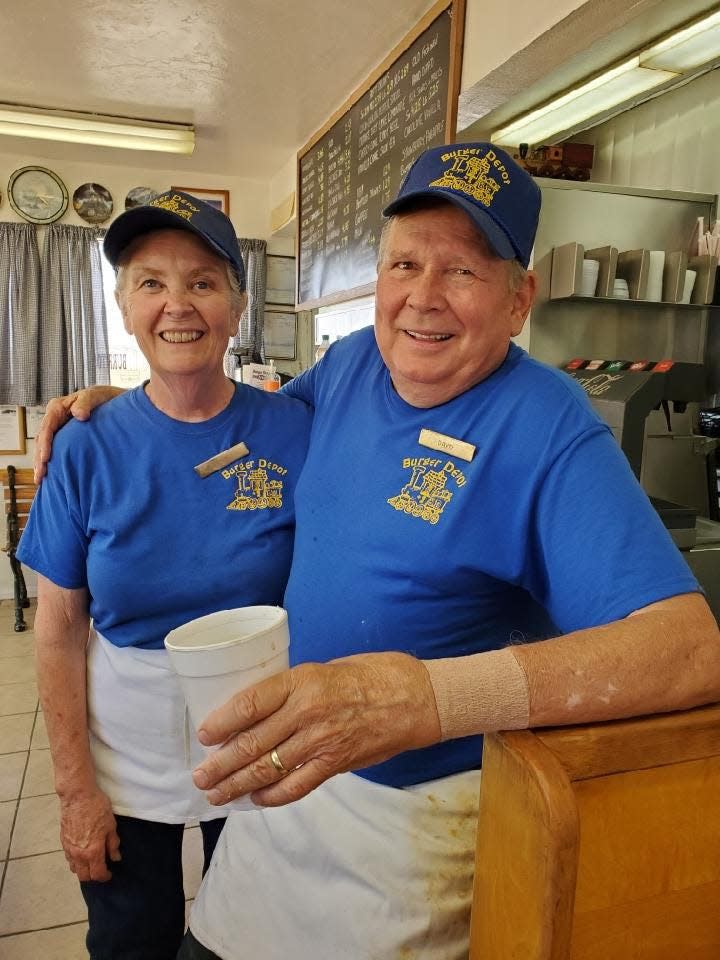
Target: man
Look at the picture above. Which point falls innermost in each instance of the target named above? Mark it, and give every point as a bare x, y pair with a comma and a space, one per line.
472, 553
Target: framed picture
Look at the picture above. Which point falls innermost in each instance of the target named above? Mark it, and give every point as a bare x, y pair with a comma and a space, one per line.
12, 429
216, 198
33, 418
280, 282
280, 334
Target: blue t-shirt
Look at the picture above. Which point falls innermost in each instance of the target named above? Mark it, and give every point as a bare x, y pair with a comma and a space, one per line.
399, 547
123, 513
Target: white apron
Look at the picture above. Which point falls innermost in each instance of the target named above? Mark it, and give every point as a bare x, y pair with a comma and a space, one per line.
354, 870
143, 745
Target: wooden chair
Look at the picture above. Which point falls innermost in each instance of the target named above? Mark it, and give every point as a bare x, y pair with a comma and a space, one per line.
601, 842
20, 489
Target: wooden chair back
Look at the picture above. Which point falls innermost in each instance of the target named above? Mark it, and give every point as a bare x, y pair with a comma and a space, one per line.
601, 842
19, 490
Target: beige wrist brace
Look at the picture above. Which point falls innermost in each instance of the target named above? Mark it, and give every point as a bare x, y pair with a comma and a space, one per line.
480, 693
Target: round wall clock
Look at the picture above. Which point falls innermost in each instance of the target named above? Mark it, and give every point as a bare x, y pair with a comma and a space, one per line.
37, 194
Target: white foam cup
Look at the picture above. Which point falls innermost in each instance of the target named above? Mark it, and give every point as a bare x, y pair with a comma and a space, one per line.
222, 653
688, 286
590, 271
654, 287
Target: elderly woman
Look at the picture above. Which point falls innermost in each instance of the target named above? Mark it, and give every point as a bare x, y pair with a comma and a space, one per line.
130, 540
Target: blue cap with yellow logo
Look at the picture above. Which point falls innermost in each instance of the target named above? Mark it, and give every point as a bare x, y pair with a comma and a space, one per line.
501, 199
177, 211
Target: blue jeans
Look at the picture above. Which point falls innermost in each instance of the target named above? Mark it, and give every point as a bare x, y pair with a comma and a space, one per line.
140, 913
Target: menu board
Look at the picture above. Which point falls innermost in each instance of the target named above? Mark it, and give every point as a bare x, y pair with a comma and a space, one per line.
351, 170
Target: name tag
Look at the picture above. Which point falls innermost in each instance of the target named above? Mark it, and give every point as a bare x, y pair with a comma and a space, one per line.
221, 459
439, 441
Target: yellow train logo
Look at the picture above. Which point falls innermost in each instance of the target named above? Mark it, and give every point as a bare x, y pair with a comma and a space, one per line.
424, 495
255, 492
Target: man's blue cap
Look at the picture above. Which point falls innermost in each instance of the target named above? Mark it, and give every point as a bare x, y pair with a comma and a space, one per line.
501, 199
177, 211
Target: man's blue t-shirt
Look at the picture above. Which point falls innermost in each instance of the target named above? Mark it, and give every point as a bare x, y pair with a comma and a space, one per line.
123, 513
401, 547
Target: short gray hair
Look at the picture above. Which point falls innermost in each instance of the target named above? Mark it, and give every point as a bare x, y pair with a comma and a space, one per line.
516, 271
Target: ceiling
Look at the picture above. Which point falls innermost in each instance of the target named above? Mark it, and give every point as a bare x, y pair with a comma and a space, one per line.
255, 78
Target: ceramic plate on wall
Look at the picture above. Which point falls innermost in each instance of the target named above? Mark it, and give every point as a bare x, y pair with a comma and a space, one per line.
37, 194
139, 196
93, 202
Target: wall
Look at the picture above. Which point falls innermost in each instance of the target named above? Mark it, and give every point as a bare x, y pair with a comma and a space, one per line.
669, 143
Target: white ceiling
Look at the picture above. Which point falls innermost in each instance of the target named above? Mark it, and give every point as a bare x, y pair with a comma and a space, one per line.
255, 77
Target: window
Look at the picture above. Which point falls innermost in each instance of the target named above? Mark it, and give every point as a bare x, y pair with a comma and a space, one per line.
128, 366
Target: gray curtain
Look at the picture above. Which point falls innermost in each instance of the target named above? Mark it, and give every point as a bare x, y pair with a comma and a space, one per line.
250, 334
73, 327
19, 311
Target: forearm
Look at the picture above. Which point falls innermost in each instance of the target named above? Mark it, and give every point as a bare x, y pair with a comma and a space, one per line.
61, 669
665, 657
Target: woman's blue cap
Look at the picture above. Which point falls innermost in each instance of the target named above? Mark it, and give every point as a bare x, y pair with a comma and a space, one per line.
177, 211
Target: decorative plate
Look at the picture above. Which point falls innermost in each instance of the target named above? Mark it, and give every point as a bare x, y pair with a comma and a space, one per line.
93, 202
139, 196
37, 194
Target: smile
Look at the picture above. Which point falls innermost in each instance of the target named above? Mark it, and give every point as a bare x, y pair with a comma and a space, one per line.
180, 336
431, 337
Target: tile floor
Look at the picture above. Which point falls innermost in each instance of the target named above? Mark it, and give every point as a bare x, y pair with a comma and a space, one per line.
41, 911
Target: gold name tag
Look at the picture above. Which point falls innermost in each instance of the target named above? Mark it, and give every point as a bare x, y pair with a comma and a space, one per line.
221, 460
438, 441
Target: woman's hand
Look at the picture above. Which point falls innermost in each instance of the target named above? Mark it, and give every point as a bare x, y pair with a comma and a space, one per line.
314, 721
57, 413
88, 834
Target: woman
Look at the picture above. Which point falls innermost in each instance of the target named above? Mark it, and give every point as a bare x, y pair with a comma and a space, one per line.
129, 541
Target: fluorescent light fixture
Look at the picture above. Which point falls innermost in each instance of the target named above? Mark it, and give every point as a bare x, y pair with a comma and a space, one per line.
616, 85
686, 49
96, 130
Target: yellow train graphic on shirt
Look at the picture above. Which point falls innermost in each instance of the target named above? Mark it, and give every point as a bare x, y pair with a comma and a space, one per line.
255, 491
424, 495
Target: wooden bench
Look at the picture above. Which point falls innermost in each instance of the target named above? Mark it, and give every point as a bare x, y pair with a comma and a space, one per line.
20, 489
601, 842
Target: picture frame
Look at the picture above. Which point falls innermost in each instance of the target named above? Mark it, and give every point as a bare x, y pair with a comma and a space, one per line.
12, 429
33, 419
220, 199
280, 279
280, 333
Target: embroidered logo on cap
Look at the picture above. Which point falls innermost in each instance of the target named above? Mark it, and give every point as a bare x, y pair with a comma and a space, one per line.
469, 173
175, 204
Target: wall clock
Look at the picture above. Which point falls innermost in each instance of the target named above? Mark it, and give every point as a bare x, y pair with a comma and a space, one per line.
37, 194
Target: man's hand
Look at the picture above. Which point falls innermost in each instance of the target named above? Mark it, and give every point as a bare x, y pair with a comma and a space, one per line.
88, 834
288, 734
79, 405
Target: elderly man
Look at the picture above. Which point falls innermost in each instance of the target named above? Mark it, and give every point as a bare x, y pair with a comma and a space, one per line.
472, 554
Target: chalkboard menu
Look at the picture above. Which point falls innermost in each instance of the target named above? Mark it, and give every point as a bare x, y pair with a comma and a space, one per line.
350, 171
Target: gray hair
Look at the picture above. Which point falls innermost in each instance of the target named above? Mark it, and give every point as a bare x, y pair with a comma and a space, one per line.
516, 271
238, 296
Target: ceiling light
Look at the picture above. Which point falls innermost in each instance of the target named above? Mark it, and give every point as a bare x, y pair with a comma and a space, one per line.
686, 49
616, 85
96, 130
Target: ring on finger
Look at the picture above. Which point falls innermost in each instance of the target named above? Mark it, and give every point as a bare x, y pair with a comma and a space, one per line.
277, 763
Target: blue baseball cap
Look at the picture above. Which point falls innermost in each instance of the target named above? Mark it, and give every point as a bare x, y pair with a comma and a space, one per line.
177, 211
501, 199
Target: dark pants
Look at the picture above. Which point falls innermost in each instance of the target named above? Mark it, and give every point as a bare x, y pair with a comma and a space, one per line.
192, 949
140, 913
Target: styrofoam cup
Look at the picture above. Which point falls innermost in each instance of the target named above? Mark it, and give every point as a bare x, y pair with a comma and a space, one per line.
688, 286
590, 271
217, 655
654, 287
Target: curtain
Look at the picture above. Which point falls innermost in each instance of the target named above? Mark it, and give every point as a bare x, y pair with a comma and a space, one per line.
250, 333
19, 311
73, 327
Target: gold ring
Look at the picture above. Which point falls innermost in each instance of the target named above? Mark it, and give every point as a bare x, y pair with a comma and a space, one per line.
277, 763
